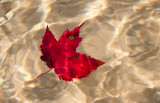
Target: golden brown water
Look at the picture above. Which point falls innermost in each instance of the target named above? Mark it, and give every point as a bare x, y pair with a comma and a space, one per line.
123, 33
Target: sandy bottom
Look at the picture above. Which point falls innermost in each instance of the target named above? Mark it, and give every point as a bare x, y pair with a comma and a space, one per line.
123, 33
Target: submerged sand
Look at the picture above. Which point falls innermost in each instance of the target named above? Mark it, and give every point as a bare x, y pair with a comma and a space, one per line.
123, 33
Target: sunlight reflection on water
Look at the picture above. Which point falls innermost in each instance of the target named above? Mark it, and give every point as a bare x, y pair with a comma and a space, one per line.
123, 33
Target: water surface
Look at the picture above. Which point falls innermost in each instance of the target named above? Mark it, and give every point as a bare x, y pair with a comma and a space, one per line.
123, 33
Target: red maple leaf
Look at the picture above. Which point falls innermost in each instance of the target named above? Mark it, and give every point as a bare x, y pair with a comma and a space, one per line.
62, 56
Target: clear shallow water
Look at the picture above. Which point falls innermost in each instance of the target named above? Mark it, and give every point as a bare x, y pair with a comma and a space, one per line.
123, 33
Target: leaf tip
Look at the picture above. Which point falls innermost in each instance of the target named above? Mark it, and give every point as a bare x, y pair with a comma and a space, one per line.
81, 24
47, 29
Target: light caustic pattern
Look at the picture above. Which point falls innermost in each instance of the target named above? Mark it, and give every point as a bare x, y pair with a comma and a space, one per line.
122, 33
